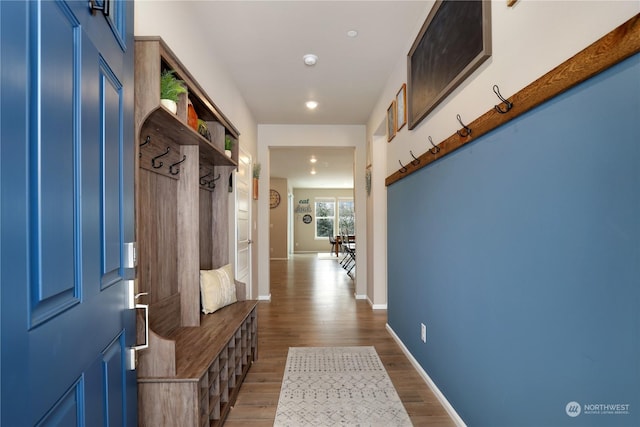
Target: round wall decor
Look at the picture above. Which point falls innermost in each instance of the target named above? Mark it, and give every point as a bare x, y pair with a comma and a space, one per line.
307, 219
274, 198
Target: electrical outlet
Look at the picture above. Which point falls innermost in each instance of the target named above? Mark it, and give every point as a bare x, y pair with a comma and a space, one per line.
423, 332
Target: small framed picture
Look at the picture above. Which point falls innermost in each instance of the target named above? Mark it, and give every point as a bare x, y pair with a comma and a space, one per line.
401, 110
391, 121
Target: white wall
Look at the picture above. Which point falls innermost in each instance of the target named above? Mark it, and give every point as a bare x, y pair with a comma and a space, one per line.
377, 222
529, 39
314, 136
159, 19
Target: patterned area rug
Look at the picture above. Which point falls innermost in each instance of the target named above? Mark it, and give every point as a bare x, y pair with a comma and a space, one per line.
347, 386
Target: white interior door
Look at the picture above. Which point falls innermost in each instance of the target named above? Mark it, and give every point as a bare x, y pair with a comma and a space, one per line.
243, 220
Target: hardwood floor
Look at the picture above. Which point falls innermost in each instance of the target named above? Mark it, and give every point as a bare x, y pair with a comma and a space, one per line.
312, 304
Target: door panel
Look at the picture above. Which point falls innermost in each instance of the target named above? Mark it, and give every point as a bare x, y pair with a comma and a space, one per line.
112, 369
53, 160
111, 166
66, 210
66, 411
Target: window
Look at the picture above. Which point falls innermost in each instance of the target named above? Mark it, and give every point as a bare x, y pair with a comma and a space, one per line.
346, 217
325, 217
328, 214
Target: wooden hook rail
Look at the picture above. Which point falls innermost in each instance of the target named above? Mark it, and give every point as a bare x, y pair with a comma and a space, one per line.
614, 47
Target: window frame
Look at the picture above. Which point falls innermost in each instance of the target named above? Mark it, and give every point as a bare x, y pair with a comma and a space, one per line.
336, 214
353, 211
324, 199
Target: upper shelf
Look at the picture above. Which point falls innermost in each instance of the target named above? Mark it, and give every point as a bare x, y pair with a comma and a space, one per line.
163, 121
152, 57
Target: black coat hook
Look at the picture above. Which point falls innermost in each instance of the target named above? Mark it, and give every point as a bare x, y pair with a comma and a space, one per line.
147, 141
435, 149
508, 104
466, 128
212, 183
176, 171
159, 165
415, 161
203, 181
403, 168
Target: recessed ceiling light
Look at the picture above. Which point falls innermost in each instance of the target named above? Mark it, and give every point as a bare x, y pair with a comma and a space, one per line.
313, 171
310, 59
352, 33
313, 159
311, 105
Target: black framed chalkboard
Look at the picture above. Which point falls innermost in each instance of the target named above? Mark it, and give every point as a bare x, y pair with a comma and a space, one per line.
453, 41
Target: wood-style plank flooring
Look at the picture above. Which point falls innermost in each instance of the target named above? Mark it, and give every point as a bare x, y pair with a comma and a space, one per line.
312, 304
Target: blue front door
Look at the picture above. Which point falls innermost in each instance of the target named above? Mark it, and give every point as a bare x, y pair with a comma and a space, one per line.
66, 213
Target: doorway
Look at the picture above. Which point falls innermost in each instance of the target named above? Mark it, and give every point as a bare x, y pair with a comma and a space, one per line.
273, 138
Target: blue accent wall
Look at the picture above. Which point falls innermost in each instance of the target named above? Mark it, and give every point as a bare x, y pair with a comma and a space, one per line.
521, 254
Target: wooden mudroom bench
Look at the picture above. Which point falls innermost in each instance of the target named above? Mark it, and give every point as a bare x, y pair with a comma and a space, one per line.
191, 372
209, 363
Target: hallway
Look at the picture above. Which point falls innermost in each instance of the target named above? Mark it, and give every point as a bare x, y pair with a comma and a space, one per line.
312, 304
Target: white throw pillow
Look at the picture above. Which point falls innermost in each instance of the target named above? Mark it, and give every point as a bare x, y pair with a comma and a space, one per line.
217, 288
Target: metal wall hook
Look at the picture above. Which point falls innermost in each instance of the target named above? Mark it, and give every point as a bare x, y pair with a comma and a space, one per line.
176, 171
159, 165
147, 141
203, 181
415, 160
508, 104
466, 128
435, 149
403, 168
212, 184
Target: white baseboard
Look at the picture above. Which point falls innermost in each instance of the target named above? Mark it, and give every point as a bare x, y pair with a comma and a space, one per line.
360, 296
376, 306
441, 398
264, 297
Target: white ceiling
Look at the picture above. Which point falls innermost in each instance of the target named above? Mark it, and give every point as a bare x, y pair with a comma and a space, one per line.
263, 43
334, 166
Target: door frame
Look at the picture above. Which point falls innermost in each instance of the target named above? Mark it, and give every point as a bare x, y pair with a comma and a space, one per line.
244, 186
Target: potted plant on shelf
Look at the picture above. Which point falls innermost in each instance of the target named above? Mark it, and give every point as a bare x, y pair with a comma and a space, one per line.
228, 145
256, 177
203, 129
170, 90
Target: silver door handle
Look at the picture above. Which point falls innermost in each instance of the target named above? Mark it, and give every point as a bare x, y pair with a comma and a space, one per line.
131, 351
145, 307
